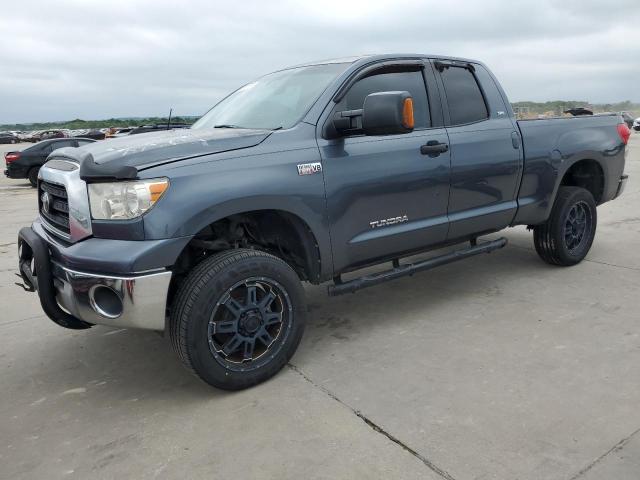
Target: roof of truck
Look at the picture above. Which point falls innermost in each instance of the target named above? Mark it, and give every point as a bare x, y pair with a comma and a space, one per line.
384, 56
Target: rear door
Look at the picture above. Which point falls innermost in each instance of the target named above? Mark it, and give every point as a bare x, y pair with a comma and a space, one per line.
486, 159
385, 197
62, 144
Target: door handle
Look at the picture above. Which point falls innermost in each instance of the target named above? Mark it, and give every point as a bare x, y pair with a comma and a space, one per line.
433, 148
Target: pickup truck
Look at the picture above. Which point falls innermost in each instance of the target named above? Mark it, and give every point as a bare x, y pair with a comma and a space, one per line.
306, 174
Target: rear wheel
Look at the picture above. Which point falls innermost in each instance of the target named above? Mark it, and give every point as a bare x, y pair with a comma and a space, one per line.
238, 318
567, 236
33, 176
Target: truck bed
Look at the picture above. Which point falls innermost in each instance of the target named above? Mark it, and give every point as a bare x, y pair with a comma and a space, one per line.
552, 145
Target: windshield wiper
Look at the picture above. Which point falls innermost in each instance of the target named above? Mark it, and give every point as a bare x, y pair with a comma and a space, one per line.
224, 125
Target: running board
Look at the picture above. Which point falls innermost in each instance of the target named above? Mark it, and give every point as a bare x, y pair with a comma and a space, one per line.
409, 269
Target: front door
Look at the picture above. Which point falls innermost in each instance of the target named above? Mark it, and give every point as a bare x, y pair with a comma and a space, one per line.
385, 197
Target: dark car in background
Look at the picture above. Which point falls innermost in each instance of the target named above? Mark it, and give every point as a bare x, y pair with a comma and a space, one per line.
27, 163
8, 137
578, 111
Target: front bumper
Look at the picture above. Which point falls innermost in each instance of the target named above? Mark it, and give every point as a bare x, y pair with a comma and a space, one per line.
76, 299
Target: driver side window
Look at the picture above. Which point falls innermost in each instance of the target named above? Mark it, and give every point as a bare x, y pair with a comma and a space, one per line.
410, 81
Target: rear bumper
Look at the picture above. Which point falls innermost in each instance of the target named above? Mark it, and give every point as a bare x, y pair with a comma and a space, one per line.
16, 171
622, 183
77, 299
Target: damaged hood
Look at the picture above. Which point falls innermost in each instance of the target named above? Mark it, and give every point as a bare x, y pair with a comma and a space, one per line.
124, 157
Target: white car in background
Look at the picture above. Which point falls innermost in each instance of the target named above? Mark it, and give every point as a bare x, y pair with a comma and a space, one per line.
636, 124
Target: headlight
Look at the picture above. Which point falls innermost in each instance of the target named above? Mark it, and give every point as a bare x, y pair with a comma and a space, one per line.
125, 200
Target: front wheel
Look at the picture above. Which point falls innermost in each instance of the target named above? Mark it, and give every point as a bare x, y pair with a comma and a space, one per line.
238, 318
567, 236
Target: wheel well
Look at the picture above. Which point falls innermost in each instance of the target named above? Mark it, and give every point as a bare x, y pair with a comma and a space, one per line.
280, 233
587, 174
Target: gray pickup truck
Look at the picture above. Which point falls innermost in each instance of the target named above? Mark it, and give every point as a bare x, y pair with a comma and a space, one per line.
306, 174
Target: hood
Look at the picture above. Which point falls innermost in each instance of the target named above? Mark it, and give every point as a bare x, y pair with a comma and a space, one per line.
124, 157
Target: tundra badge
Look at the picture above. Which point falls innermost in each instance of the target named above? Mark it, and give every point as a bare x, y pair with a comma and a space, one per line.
385, 222
309, 168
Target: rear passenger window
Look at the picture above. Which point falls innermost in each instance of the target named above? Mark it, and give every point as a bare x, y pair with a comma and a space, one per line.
63, 144
466, 104
411, 82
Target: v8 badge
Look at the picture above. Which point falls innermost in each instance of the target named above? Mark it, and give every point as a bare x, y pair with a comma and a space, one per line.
309, 168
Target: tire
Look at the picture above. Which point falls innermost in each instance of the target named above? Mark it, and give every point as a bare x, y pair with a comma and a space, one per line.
223, 301
567, 236
33, 176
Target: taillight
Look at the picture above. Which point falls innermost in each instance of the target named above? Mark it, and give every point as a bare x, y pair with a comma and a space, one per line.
11, 157
624, 132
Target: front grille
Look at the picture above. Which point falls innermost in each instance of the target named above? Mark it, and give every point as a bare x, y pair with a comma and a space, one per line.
54, 206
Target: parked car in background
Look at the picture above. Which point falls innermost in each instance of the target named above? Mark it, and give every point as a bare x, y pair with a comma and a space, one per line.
27, 163
8, 137
47, 134
578, 111
120, 132
32, 136
636, 124
95, 134
628, 118
157, 127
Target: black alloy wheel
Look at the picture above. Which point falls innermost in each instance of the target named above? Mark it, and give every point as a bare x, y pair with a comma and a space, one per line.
238, 317
249, 324
577, 225
567, 235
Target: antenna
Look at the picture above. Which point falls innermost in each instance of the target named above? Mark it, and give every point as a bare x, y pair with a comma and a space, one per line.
169, 122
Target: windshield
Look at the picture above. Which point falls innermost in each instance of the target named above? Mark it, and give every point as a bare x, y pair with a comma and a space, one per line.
277, 100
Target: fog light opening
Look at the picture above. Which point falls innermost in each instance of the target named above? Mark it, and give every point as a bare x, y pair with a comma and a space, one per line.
105, 301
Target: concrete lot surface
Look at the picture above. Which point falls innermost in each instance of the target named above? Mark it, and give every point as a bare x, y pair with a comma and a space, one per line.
498, 367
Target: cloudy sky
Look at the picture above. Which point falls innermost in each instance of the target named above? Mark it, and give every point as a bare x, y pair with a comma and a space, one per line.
110, 58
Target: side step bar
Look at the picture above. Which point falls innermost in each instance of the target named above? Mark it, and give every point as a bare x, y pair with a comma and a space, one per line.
409, 269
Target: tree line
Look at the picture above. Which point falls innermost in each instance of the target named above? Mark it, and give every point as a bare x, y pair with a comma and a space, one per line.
559, 106
79, 124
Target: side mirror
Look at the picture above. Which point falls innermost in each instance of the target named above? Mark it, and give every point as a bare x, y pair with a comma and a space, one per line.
386, 113
383, 113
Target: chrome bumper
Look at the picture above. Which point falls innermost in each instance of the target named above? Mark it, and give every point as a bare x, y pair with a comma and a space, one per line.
136, 301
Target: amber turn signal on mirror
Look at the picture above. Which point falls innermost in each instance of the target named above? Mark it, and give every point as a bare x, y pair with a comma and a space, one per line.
407, 113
